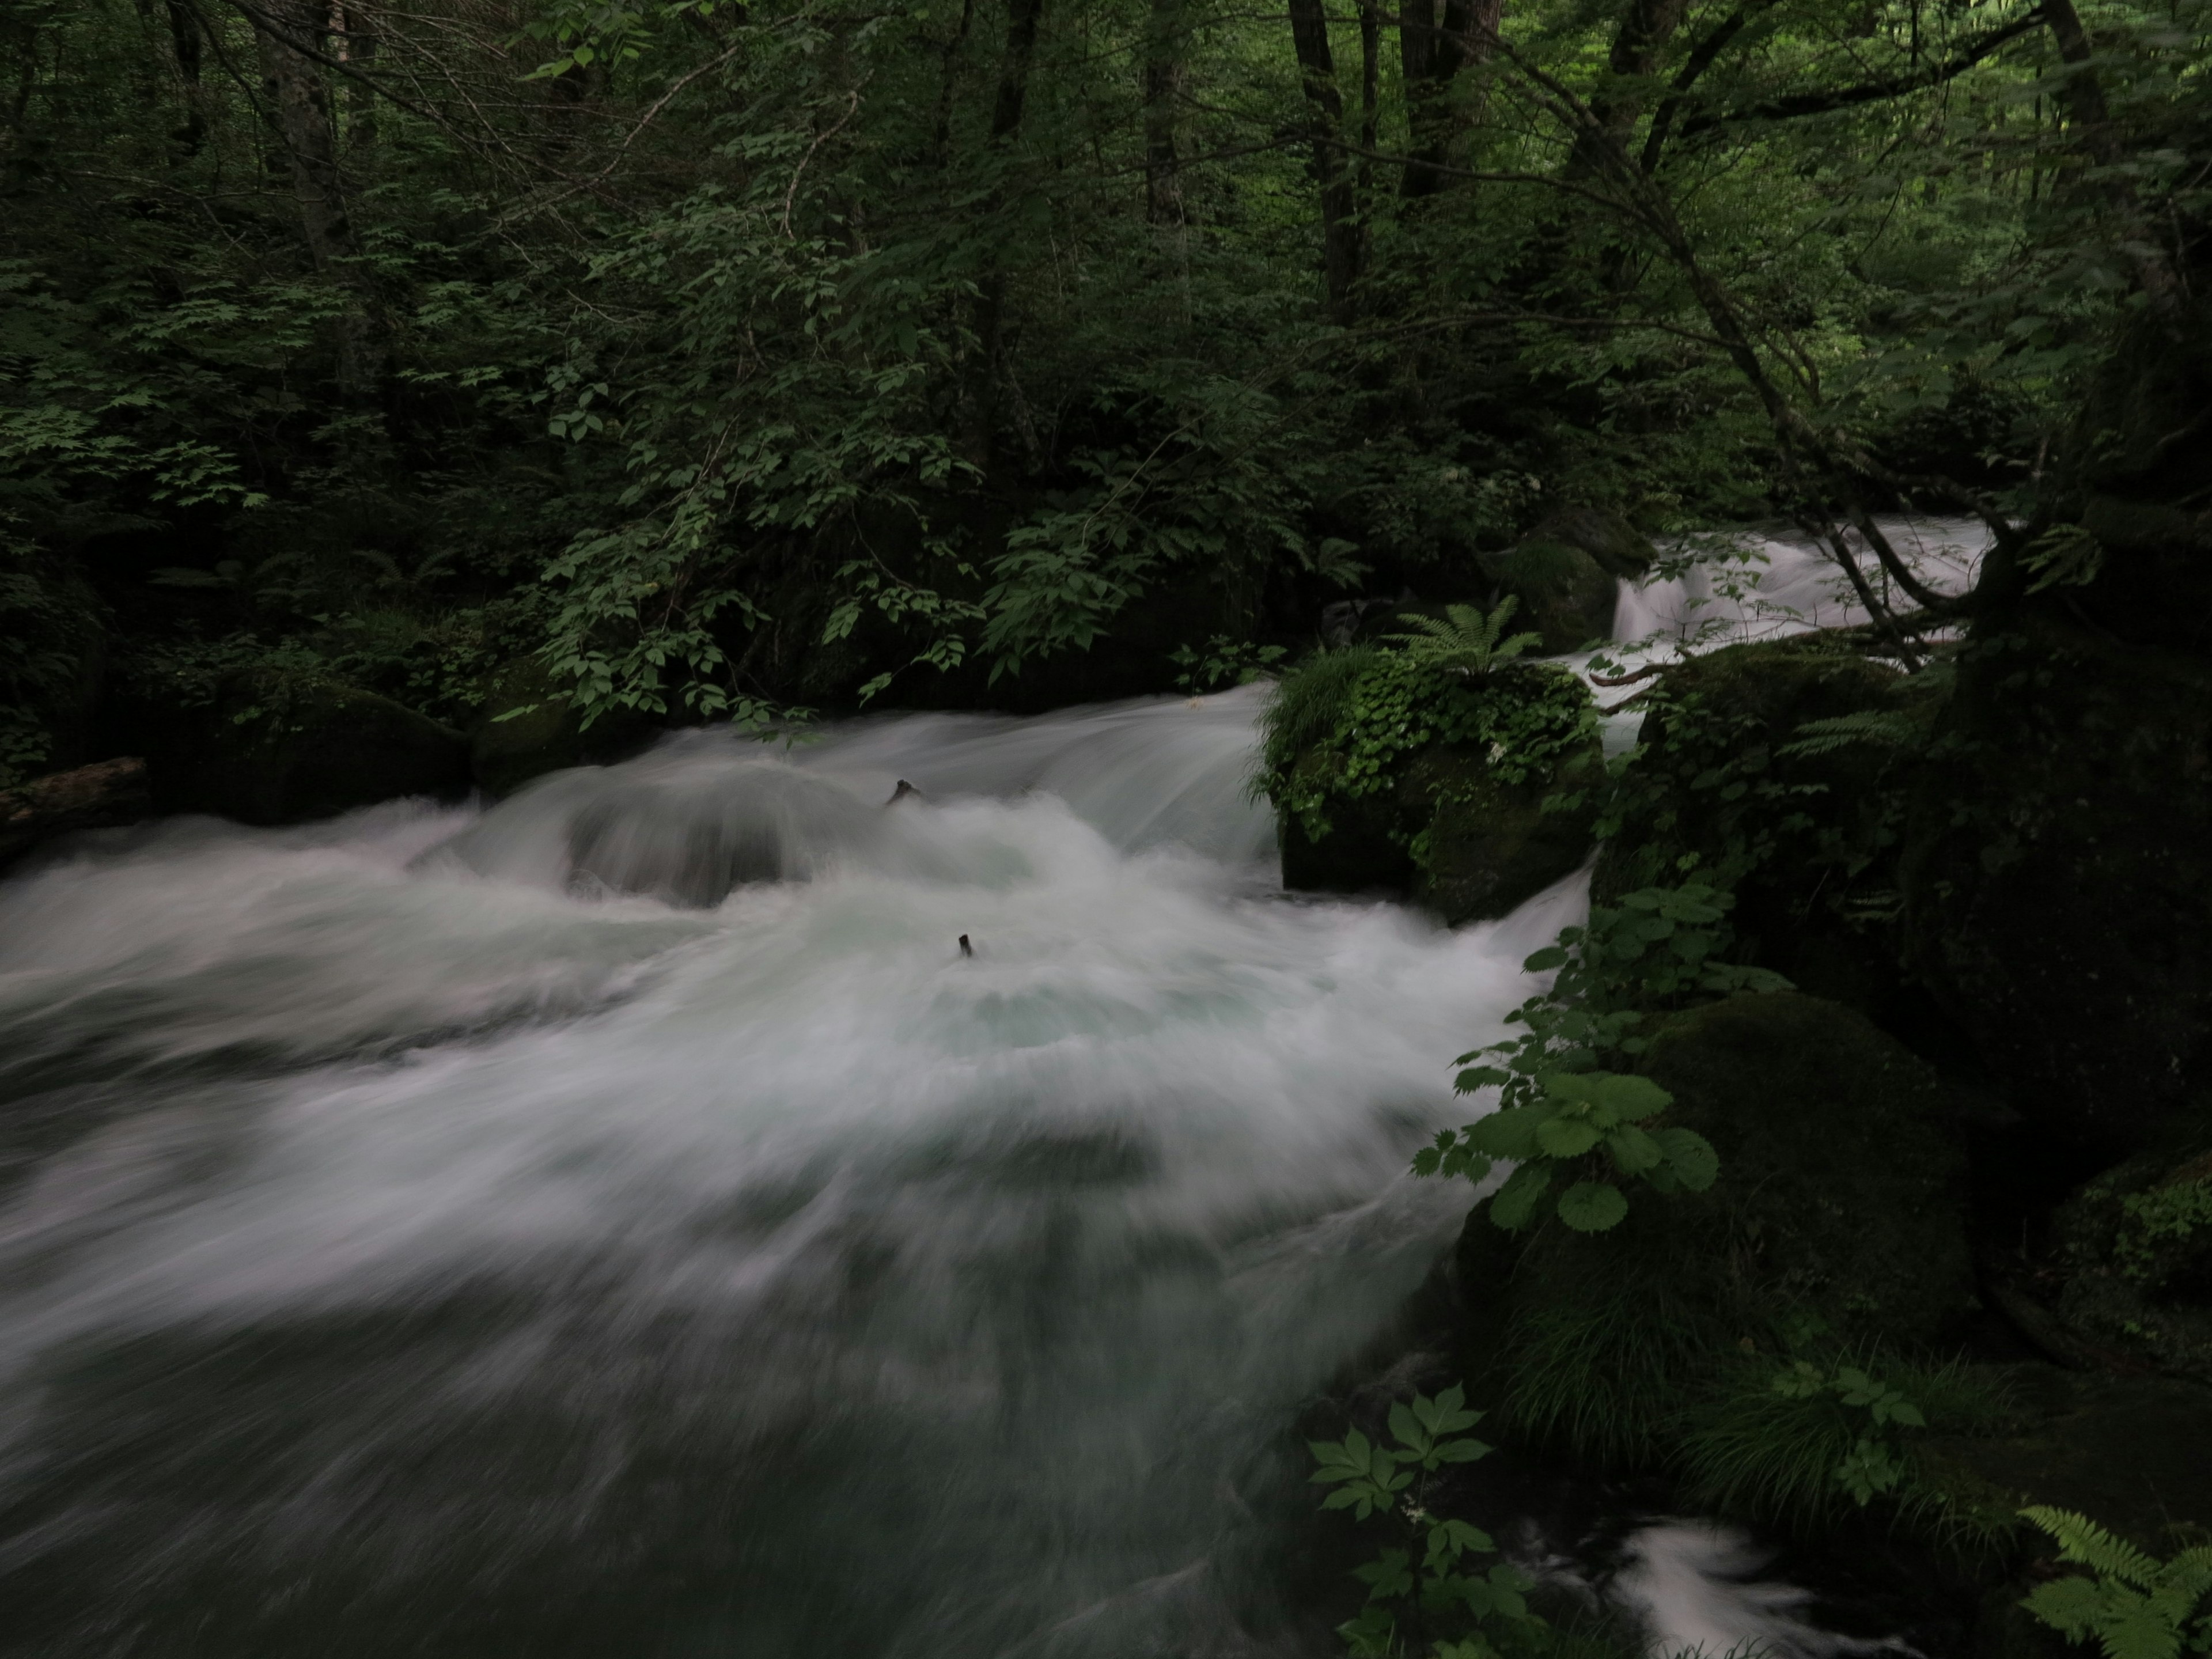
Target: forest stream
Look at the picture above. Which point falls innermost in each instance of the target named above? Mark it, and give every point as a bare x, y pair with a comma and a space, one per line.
624, 1219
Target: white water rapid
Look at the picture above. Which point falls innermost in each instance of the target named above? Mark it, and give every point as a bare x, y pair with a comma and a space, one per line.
621, 1221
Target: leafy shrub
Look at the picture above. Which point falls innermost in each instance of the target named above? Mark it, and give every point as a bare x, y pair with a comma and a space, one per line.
1467, 642
1560, 1111
1423, 1595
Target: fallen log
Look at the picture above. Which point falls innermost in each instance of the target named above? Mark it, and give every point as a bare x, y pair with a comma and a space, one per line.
90, 798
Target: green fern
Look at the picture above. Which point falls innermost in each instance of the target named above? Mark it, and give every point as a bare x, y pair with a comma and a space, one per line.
2137, 1607
1885, 729
1467, 642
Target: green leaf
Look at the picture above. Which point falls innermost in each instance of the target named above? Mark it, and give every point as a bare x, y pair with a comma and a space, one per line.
1513, 1206
1634, 1151
1690, 1158
1592, 1206
1565, 1137
1510, 1133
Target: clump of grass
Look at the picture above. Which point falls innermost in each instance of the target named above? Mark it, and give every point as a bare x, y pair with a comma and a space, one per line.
1752, 1450
1603, 1373
1308, 703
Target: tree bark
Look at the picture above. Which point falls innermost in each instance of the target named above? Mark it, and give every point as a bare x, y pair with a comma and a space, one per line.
987, 370
1431, 56
1339, 215
289, 33
184, 41
1163, 75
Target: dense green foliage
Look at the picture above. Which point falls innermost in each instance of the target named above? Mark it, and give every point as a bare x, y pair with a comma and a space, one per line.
1425, 1597
1343, 722
735, 358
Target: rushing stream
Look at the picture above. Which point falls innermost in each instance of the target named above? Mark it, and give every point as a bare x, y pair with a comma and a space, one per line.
623, 1221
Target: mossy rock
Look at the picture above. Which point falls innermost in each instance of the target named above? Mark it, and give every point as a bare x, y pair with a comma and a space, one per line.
1840, 1213
2134, 1246
2057, 878
2134, 1453
527, 727
1809, 841
1451, 834
1567, 572
272, 752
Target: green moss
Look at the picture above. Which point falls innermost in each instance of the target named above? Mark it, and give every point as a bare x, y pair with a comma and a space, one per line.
1387, 771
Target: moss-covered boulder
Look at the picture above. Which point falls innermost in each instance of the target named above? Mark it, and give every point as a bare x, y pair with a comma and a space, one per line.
2057, 876
527, 727
265, 749
1452, 833
1782, 770
2134, 1453
2132, 1258
1838, 1219
1567, 572
1468, 793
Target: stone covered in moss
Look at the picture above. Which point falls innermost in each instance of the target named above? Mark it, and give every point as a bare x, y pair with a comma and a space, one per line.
1407, 778
2135, 1248
2057, 877
1839, 1215
1735, 783
2134, 1453
266, 751
527, 727
1567, 572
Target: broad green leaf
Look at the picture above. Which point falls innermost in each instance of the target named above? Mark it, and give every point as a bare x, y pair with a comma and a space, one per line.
1592, 1206
1565, 1137
1690, 1158
1513, 1206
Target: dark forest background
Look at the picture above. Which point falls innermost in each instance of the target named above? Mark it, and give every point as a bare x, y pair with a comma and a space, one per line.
722, 359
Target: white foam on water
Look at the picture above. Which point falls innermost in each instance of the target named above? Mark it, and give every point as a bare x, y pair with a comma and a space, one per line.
625, 1219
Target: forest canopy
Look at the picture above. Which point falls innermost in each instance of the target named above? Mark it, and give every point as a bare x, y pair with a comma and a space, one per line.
736, 359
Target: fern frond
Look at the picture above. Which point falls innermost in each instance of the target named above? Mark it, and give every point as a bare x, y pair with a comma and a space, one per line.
2083, 1542
1465, 638
1883, 727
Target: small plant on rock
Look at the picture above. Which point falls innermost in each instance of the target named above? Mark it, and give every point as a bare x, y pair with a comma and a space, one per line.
1561, 1111
1425, 1597
1468, 642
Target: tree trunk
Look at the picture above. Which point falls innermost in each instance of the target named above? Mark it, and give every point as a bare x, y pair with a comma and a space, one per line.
1339, 215
289, 35
1646, 26
359, 49
987, 369
1430, 57
184, 41
1164, 73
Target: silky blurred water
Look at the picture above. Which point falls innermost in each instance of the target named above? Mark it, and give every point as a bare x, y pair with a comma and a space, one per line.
624, 1221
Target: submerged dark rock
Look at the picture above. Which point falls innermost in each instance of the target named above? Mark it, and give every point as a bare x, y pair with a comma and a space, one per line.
1452, 834
90, 797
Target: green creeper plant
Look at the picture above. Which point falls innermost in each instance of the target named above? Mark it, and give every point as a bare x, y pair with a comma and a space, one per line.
2135, 1606
1424, 1596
